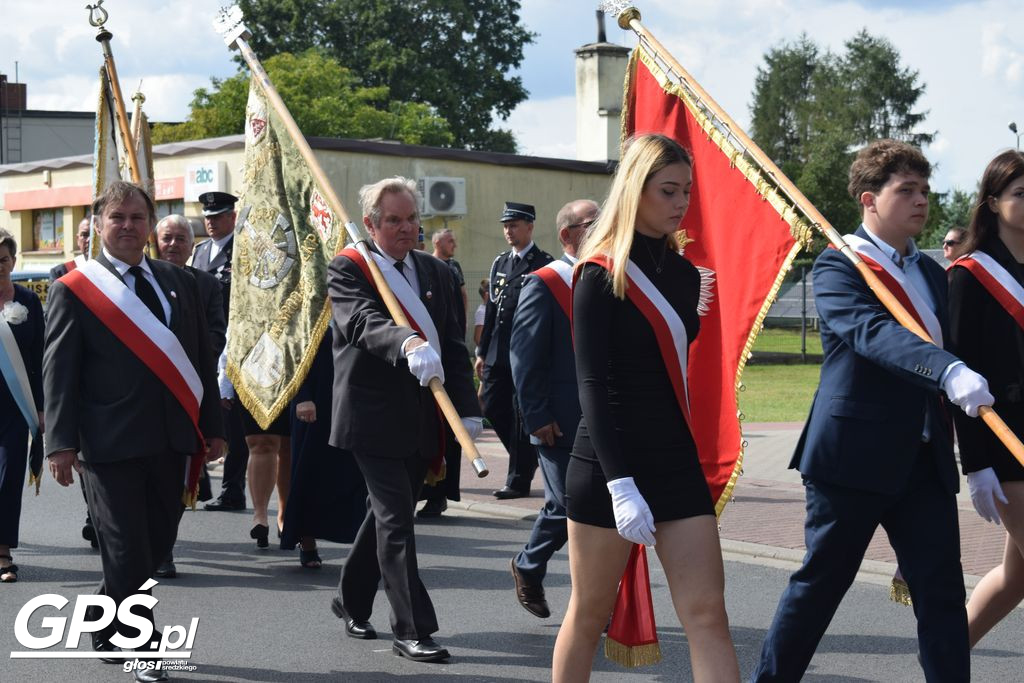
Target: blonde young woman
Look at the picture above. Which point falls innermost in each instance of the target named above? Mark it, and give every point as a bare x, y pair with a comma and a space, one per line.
634, 476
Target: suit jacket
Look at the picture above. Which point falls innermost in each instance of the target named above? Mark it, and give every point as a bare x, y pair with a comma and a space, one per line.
212, 301
379, 407
879, 384
219, 267
543, 362
506, 281
101, 399
991, 342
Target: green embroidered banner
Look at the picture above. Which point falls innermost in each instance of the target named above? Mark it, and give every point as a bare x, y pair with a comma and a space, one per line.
285, 236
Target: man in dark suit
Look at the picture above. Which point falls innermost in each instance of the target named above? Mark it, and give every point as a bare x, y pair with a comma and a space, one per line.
82, 242
57, 272
493, 368
174, 242
544, 371
113, 419
214, 257
384, 414
877, 448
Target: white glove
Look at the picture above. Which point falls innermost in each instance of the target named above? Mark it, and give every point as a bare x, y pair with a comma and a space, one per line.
632, 516
425, 364
967, 389
984, 487
473, 425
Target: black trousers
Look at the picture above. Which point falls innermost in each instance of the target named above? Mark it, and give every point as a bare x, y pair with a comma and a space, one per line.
135, 506
923, 528
385, 547
232, 486
502, 409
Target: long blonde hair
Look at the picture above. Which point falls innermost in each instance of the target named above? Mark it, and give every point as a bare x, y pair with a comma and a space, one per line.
612, 234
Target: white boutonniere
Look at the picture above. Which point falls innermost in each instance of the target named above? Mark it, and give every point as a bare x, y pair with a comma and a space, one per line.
15, 313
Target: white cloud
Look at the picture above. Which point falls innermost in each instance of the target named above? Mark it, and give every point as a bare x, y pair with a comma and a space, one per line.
546, 128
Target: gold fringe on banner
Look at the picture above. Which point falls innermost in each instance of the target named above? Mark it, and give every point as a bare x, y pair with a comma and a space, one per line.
634, 656
899, 592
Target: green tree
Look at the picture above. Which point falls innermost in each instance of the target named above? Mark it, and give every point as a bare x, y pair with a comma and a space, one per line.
813, 109
946, 210
454, 55
324, 98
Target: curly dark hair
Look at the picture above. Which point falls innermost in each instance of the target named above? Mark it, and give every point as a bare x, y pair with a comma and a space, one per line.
877, 162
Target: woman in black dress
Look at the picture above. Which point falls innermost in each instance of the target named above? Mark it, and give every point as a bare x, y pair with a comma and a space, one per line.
23, 315
634, 476
990, 340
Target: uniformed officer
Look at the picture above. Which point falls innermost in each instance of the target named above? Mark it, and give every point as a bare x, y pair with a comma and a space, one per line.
214, 256
492, 355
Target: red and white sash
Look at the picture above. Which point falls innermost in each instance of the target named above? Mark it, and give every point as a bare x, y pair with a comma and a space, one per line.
420, 320
411, 305
668, 327
557, 275
152, 342
998, 281
893, 277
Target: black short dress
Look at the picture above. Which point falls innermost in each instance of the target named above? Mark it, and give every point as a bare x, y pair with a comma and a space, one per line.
989, 341
632, 425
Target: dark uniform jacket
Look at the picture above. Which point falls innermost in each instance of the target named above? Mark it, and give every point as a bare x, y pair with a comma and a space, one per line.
506, 281
219, 267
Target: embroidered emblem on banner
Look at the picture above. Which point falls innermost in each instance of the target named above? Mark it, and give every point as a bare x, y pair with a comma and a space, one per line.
265, 362
274, 254
256, 122
320, 216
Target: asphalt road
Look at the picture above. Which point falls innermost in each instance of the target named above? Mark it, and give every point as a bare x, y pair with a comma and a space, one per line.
263, 618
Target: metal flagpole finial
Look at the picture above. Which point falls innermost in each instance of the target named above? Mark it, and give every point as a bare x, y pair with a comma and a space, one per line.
97, 15
623, 10
138, 94
229, 23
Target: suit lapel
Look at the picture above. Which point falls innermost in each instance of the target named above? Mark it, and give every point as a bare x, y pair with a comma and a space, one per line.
169, 292
427, 284
201, 256
103, 261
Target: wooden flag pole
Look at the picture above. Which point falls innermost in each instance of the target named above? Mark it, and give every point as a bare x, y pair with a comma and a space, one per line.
628, 17
229, 25
103, 37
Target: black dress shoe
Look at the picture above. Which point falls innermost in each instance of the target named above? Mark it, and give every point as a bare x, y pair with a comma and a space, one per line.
508, 492
530, 596
423, 650
362, 630
221, 504
166, 570
151, 675
89, 534
433, 508
101, 644
261, 533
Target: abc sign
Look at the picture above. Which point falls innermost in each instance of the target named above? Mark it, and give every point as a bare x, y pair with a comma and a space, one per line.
202, 175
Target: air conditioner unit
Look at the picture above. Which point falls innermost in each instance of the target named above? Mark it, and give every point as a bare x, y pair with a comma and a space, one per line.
442, 196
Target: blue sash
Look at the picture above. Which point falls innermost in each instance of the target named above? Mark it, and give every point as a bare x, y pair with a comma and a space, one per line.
12, 368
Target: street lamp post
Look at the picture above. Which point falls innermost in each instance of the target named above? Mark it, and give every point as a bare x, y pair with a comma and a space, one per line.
1013, 129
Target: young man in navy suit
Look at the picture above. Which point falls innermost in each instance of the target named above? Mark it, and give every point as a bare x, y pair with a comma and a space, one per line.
877, 448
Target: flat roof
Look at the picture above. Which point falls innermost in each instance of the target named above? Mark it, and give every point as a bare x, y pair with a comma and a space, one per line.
231, 142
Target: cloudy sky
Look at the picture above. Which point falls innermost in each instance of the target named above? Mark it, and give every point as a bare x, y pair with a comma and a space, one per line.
969, 53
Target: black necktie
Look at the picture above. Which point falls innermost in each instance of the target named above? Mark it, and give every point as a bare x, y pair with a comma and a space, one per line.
515, 262
400, 267
145, 291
